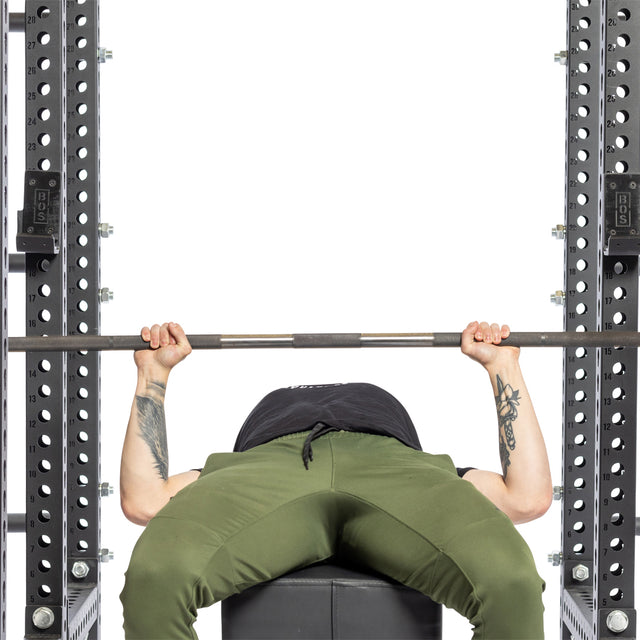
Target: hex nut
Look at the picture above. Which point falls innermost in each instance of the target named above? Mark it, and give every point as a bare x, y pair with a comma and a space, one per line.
617, 621
43, 618
80, 569
580, 573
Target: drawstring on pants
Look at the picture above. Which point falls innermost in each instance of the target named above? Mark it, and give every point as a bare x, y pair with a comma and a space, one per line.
319, 430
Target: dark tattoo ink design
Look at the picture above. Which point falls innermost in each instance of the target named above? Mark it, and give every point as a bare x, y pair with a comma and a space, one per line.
153, 427
507, 402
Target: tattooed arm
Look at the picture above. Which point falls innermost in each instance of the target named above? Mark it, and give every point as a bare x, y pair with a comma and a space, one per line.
145, 483
524, 490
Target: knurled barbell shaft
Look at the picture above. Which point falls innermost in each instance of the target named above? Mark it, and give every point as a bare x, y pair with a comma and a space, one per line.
324, 341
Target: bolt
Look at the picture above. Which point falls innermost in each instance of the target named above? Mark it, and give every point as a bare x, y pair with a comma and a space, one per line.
561, 57
617, 621
29, 229
558, 298
104, 55
105, 229
558, 492
80, 569
580, 573
106, 490
613, 185
106, 555
52, 183
43, 618
555, 558
106, 295
559, 232
32, 182
632, 185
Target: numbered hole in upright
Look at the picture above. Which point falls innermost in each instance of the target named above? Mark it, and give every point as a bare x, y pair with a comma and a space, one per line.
616, 594
622, 142
618, 368
617, 469
622, 116
44, 591
618, 393
623, 40
622, 167
617, 444
617, 544
617, 494
44, 566
622, 91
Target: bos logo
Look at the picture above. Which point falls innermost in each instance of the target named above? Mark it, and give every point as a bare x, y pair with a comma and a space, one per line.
623, 209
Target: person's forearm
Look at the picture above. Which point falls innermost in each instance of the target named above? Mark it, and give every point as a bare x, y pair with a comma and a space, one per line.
144, 469
523, 455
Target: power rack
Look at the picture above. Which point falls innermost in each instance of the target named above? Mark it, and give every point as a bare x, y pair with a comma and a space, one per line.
59, 235
601, 292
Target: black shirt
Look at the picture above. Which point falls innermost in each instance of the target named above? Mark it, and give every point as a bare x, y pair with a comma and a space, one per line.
350, 407
360, 406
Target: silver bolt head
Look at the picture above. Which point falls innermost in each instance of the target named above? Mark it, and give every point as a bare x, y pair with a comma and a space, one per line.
106, 295
80, 569
555, 558
558, 298
580, 573
106, 490
106, 555
104, 55
559, 232
558, 492
561, 57
617, 621
105, 230
43, 618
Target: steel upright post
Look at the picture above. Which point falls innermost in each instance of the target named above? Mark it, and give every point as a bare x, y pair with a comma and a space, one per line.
83, 314
599, 439
4, 343
46, 311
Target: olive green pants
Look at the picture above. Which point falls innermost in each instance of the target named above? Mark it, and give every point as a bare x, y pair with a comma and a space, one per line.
256, 515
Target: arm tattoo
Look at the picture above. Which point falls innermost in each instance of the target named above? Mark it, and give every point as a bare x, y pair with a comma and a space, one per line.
153, 427
507, 402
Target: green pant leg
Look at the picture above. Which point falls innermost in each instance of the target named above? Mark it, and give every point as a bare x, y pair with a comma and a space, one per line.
413, 519
250, 518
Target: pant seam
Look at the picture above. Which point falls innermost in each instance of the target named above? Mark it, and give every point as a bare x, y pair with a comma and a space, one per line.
420, 535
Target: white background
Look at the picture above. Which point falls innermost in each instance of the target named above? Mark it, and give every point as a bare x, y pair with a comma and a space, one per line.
277, 166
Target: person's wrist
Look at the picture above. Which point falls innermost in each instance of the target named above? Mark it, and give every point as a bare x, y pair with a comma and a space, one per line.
152, 372
504, 361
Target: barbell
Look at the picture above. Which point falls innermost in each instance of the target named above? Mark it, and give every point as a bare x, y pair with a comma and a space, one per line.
84, 342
